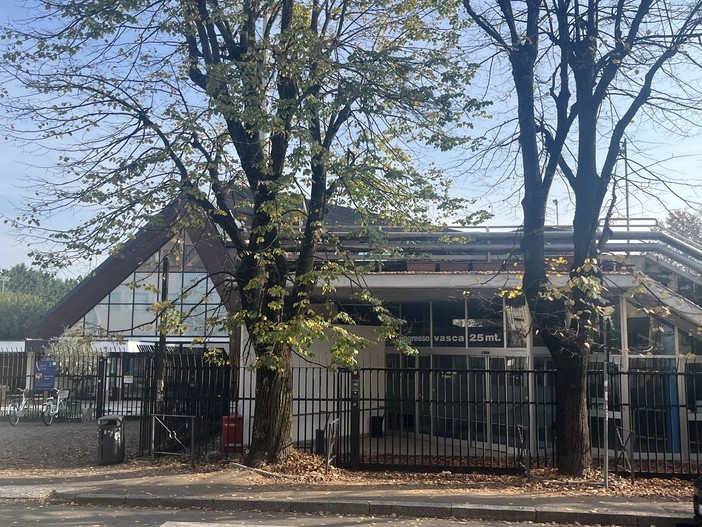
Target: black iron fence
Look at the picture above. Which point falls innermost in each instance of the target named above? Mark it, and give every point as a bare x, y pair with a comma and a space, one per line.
648, 420
13, 373
19, 370
449, 420
490, 419
505, 420
192, 405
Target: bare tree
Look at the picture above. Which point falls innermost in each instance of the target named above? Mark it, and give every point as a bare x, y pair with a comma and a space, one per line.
581, 73
687, 223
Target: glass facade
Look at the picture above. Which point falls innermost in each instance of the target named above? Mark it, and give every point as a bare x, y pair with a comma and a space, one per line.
458, 323
128, 310
478, 356
648, 333
470, 323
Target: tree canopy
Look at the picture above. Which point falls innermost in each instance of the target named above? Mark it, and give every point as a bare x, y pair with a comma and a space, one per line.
687, 223
26, 296
257, 115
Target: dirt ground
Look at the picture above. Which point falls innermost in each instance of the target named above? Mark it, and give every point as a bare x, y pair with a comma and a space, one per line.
67, 449
63, 445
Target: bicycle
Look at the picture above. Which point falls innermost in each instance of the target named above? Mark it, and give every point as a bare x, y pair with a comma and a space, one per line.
17, 410
54, 407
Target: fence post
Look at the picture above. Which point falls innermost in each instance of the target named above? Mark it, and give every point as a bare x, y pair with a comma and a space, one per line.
100, 388
29, 370
355, 421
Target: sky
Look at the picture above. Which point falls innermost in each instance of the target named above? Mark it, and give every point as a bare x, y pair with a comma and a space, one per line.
12, 171
682, 160
14, 167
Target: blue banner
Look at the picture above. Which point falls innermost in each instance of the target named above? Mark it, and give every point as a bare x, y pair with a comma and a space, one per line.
44, 375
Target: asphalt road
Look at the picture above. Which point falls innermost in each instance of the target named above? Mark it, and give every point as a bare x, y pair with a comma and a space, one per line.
27, 513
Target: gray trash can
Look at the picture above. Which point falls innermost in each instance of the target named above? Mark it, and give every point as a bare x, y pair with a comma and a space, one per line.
697, 499
110, 439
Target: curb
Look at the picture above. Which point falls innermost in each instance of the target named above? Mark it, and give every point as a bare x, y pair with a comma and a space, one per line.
385, 509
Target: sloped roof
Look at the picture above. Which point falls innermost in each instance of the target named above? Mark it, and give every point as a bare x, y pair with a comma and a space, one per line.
116, 268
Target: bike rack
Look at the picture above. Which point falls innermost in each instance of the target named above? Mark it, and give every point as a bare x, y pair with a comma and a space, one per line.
331, 434
177, 429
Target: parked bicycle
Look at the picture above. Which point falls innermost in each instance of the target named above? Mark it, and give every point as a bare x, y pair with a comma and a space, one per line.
17, 410
55, 407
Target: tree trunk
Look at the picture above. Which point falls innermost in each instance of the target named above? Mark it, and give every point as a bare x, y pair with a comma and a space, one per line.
271, 439
573, 454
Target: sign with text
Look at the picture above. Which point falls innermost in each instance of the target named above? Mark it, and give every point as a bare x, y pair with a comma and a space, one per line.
452, 340
44, 375
485, 337
478, 337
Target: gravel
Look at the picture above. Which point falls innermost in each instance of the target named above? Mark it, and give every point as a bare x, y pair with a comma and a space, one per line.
70, 444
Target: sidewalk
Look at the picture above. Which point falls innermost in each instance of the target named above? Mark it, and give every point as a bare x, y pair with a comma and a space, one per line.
57, 463
234, 489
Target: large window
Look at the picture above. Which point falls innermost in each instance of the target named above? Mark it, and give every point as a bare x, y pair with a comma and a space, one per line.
689, 344
127, 310
517, 320
485, 323
491, 322
449, 327
648, 333
418, 326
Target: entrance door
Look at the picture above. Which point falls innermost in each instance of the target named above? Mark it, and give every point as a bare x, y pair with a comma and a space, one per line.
476, 398
450, 393
498, 402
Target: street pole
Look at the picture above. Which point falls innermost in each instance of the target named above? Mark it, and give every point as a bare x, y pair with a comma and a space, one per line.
160, 356
608, 329
626, 187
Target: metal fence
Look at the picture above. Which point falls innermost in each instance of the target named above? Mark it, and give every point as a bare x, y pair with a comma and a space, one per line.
13, 370
490, 419
19, 370
505, 420
195, 399
647, 421
439, 419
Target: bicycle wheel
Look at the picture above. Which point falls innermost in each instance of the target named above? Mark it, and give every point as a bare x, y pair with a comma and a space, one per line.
62, 411
12, 414
47, 414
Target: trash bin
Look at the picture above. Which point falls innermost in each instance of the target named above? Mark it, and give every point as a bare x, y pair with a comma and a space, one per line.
110, 439
697, 499
376, 426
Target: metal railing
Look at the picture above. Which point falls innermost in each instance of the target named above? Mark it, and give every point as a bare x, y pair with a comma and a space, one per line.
421, 419
489, 419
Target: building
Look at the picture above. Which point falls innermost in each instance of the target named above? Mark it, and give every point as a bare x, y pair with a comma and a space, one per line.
480, 380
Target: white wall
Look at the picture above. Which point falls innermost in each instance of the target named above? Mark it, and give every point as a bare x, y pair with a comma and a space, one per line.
319, 384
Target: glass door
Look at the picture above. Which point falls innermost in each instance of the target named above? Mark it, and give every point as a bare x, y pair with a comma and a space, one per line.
498, 401
450, 393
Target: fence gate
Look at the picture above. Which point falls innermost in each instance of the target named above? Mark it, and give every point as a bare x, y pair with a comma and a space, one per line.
193, 388
121, 382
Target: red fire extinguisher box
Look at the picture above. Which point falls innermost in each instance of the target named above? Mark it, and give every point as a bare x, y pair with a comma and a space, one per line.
232, 433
